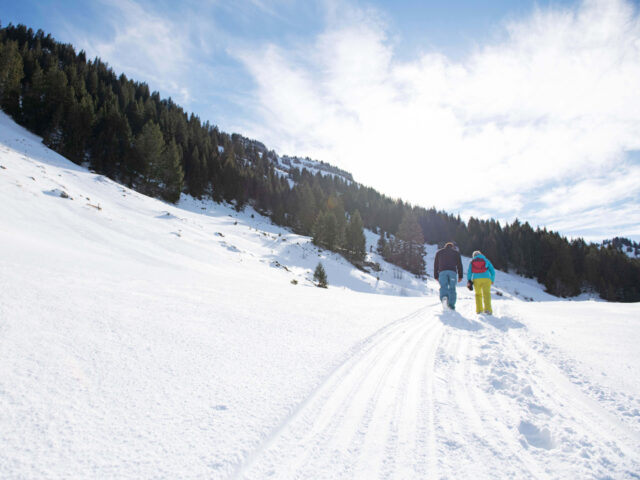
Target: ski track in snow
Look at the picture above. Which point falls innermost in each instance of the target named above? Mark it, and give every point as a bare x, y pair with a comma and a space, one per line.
448, 395
341, 424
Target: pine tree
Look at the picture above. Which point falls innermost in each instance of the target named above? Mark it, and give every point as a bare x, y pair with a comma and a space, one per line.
230, 174
58, 97
318, 229
11, 74
33, 101
111, 144
411, 245
320, 276
78, 129
171, 175
382, 243
331, 234
341, 226
355, 240
195, 173
305, 210
148, 148
325, 230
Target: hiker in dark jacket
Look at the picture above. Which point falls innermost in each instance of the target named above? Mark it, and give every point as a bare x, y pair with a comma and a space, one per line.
446, 266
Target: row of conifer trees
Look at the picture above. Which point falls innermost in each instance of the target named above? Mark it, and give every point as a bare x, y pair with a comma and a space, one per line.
117, 127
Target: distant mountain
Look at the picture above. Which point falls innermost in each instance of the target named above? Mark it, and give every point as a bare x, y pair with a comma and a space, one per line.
286, 164
626, 246
314, 166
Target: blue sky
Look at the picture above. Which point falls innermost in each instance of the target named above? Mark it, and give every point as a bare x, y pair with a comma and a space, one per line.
497, 109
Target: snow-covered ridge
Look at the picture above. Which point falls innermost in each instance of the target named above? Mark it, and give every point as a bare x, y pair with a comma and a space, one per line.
313, 166
140, 339
285, 164
630, 248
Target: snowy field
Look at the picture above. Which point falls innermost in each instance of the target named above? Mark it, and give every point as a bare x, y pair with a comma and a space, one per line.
140, 339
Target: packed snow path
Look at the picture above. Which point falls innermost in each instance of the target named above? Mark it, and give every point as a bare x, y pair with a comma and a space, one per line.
448, 395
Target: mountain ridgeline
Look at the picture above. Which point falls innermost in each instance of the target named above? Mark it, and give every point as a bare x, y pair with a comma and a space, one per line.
628, 247
117, 127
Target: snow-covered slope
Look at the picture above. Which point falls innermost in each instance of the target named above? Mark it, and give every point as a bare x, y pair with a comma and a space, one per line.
144, 340
630, 248
286, 164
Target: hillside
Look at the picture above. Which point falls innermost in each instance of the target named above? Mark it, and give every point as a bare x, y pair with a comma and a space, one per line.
119, 128
144, 339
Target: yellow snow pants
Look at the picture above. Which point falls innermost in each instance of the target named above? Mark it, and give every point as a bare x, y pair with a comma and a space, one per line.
482, 287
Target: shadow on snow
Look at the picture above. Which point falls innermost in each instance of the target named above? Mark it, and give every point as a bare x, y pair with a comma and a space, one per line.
503, 323
456, 320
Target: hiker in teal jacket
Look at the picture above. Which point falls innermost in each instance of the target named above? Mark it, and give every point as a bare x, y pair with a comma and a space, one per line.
482, 274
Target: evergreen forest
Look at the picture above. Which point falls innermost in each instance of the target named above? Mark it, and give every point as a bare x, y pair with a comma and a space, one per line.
119, 128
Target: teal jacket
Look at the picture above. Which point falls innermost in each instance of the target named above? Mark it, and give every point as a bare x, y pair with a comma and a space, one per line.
490, 273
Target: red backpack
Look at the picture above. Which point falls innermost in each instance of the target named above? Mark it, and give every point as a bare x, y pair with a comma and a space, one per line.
478, 265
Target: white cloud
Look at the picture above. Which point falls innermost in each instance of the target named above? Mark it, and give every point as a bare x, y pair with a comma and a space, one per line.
144, 44
555, 102
621, 184
598, 223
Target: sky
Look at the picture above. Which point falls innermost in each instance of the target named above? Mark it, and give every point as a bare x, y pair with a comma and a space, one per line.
503, 109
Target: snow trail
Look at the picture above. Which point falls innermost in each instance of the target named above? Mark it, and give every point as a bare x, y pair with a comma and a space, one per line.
447, 395
359, 413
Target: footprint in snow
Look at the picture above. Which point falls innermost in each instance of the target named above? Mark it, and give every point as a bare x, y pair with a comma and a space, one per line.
483, 360
535, 436
539, 409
